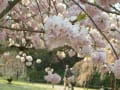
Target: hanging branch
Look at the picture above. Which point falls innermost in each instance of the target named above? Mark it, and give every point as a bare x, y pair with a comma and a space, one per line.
115, 53
11, 4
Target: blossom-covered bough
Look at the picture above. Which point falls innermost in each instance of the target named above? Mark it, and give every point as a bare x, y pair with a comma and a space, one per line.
89, 28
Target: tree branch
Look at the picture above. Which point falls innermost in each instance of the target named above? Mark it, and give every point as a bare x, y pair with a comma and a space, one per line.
115, 53
16, 29
40, 12
54, 3
11, 4
101, 8
115, 8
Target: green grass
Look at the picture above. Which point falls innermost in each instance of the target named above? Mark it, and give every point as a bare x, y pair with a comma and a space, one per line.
16, 85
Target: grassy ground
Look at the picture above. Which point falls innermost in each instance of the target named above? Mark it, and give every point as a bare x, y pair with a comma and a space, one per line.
31, 86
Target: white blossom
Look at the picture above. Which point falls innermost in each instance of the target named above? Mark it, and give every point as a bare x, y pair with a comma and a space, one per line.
29, 58
61, 54
38, 61
28, 64
22, 59
18, 57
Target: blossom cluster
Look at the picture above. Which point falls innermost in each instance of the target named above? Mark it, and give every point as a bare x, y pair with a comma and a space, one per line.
60, 32
26, 59
53, 78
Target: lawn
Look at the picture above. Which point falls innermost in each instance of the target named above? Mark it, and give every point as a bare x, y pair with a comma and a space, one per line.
16, 85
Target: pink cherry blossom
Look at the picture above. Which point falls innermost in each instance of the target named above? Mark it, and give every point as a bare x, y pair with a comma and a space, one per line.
98, 57
37, 42
53, 78
106, 3
86, 50
102, 21
91, 10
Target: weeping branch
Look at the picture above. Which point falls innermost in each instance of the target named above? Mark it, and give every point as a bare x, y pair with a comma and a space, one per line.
115, 53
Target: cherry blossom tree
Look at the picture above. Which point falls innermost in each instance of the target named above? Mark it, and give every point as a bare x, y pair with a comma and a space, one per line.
89, 28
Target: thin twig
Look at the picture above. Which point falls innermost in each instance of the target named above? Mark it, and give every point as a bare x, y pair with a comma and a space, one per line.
54, 3
101, 8
49, 8
94, 45
40, 12
115, 8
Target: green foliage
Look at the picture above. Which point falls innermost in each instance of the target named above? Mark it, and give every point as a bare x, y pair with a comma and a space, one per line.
96, 82
107, 81
37, 72
81, 16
